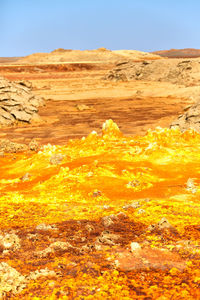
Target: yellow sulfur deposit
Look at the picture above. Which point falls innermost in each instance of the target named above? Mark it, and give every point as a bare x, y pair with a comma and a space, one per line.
76, 218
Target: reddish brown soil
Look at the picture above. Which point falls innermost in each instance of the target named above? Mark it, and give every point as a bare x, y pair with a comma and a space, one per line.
62, 120
134, 106
179, 53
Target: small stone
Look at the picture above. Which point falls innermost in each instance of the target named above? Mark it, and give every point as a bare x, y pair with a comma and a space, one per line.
45, 227
135, 246
190, 186
89, 228
121, 215
60, 246
151, 227
108, 238
10, 241
11, 147
26, 177
56, 159
33, 145
51, 284
109, 220
96, 193
40, 273
133, 184
133, 205
82, 107
163, 224
106, 207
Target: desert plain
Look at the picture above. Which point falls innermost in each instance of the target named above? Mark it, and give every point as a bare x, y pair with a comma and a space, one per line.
100, 175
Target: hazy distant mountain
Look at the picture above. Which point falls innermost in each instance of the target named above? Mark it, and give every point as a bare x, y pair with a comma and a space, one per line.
179, 53
8, 60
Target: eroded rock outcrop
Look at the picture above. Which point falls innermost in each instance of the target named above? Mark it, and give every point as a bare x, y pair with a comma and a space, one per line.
177, 71
189, 119
17, 102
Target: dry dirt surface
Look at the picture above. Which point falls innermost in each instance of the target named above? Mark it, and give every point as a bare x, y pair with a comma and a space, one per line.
99, 212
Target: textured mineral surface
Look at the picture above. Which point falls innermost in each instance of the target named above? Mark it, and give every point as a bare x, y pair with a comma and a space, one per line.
116, 218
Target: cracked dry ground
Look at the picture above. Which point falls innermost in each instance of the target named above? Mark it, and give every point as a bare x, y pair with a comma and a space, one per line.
103, 217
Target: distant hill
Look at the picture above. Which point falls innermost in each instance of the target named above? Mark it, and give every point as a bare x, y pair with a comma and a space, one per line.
179, 53
101, 55
8, 60
98, 55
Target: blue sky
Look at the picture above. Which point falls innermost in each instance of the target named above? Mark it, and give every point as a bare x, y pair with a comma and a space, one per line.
29, 26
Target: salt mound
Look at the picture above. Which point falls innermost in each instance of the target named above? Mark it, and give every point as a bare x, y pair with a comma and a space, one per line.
177, 71
17, 102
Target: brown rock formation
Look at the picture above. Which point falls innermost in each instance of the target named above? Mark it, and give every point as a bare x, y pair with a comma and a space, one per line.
177, 71
189, 119
17, 102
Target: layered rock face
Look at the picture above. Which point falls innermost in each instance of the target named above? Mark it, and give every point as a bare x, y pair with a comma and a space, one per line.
189, 119
177, 71
17, 102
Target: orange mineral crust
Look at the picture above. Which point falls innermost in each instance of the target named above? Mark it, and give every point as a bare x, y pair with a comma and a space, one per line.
104, 217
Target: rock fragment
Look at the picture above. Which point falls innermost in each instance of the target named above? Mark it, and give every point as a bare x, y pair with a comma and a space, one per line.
10, 241
108, 238
82, 107
45, 227
25, 177
40, 273
135, 246
12, 147
56, 159
161, 225
133, 205
33, 145
109, 220
11, 280
58, 246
